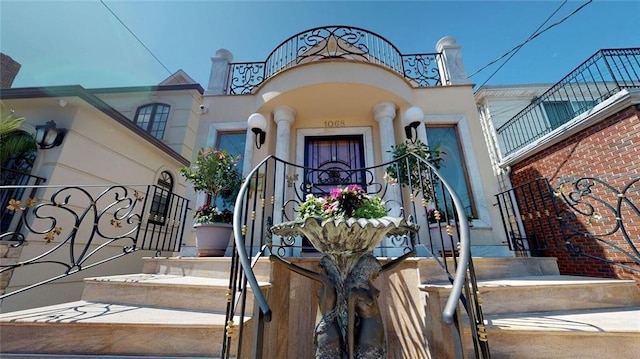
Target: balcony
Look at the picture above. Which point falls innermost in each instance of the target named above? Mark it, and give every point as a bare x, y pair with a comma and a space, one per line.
335, 42
604, 74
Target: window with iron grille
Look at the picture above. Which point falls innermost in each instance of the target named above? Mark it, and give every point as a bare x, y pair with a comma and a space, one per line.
153, 118
161, 194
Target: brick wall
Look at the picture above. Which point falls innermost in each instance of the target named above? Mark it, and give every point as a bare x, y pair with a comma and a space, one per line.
609, 150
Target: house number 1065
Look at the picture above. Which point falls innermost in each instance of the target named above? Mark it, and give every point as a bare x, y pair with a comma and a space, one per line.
336, 123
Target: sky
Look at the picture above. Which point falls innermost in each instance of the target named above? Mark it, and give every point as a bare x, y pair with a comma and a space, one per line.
82, 42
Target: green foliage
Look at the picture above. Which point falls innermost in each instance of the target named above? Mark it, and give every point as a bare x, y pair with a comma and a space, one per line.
410, 170
347, 202
214, 172
13, 141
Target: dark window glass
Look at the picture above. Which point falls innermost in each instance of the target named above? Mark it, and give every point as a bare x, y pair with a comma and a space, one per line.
161, 194
153, 118
453, 169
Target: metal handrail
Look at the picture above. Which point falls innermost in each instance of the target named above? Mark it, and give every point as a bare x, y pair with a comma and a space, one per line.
460, 280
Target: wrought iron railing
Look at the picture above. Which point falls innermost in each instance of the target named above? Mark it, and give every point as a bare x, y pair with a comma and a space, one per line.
335, 42
73, 228
7, 177
588, 217
410, 186
601, 76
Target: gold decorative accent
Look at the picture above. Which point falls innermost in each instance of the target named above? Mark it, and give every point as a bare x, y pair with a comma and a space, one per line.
138, 196
449, 230
546, 212
530, 215
479, 298
273, 200
13, 205
424, 203
116, 223
411, 197
291, 180
538, 214
482, 332
229, 296
31, 202
253, 215
622, 195
244, 229
50, 236
231, 330
262, 202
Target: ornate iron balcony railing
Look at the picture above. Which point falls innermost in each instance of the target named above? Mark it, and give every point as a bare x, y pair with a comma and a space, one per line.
601, 76
341, 42
73, 228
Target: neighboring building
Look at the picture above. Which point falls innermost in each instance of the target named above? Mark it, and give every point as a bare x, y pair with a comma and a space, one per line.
584, 126
339, 96
134, 136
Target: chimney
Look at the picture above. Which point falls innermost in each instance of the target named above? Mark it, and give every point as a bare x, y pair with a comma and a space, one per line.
8, 70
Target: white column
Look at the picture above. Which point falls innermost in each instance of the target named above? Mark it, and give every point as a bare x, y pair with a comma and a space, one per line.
450, 65
283, 116
384, 113
218, 79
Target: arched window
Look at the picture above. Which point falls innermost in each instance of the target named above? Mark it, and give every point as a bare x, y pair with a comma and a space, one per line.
153, 118
161, 194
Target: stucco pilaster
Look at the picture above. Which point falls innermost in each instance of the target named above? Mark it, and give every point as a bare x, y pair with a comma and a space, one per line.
452, 71
219, 76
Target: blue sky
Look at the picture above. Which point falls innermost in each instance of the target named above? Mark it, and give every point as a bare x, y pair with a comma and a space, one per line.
81, 42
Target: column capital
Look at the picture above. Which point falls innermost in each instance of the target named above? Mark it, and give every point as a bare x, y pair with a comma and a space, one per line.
384, 110
284, 113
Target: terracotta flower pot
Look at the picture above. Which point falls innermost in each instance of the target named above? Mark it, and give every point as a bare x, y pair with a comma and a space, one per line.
212, 239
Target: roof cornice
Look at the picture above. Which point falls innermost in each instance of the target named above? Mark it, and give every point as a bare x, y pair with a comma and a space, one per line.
93, 100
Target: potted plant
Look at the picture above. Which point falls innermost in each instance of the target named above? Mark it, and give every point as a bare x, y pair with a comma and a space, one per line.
410, 171
214, 172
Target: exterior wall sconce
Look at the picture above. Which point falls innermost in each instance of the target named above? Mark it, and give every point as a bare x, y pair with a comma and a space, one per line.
258, 125
49, 135
411, 120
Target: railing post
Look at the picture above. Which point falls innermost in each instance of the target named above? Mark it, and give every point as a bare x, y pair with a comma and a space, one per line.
450, 65
219, 77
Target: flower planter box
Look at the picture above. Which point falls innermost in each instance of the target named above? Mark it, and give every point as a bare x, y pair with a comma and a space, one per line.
212, 239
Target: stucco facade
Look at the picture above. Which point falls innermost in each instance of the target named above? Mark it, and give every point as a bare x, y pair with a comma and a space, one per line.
102, 147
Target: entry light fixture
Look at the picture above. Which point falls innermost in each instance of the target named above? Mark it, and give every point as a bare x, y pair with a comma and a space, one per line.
49, 135
258, 125
411, 120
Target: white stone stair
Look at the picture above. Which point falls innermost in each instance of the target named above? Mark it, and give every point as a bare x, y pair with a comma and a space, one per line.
533, 312
175, 309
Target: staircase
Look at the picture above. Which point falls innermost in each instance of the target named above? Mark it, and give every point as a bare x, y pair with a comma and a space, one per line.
533, 312
175, 308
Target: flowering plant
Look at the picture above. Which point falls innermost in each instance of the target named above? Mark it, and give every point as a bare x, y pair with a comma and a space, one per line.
214, 172
351, 201
210, 214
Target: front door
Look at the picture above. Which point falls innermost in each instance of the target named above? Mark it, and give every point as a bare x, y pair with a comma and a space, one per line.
334, 161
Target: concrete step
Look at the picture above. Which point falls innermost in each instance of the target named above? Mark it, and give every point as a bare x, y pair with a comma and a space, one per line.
94, 328
208, 267
162, 290
85, 356
550, 292
493, 268
597, 333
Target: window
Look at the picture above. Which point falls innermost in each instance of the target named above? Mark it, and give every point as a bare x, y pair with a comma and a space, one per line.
453, 168
561, 112
558, 112
334, 157
161, 194
233, 143
153, 118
